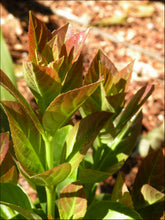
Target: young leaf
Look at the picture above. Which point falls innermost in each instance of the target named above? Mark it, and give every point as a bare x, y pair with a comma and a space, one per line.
44, 83
72, 202
110, 210
9, 193
101, 66
76, 42
38, 35
7, 84
150, 172
64, 106
28, 143
82, 136
59, 37
120, 192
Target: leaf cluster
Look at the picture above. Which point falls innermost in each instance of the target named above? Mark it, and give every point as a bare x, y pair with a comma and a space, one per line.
62, 161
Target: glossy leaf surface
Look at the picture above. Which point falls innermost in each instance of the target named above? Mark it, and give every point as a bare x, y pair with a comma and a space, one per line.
64, 106
72, 202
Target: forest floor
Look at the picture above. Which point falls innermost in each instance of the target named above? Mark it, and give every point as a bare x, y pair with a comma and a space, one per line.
130, 30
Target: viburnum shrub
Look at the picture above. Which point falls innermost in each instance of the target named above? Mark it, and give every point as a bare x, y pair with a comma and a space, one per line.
52, 153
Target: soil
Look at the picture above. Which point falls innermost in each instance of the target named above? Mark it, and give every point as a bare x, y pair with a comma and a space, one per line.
143, 28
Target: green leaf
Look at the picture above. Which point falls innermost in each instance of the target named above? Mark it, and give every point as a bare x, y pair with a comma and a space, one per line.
44, 83
151, 195
9, 193
38, 35
7, 84
64, 106
91, 176
82, 136
150, 172
58, 143
28, 143
135, 104
72, 202
120, 192
123, 144
53, 176
110, 210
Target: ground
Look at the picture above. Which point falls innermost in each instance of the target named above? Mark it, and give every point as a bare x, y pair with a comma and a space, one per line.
139, 35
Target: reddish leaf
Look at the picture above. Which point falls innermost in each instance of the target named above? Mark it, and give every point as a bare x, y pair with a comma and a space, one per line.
72, 202
76, 42
38, 36
4, 145
8, 168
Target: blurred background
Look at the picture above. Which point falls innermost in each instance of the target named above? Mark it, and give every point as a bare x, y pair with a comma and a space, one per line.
124, 30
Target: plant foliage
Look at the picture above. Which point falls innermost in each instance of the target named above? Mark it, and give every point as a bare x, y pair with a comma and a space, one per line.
65, 161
